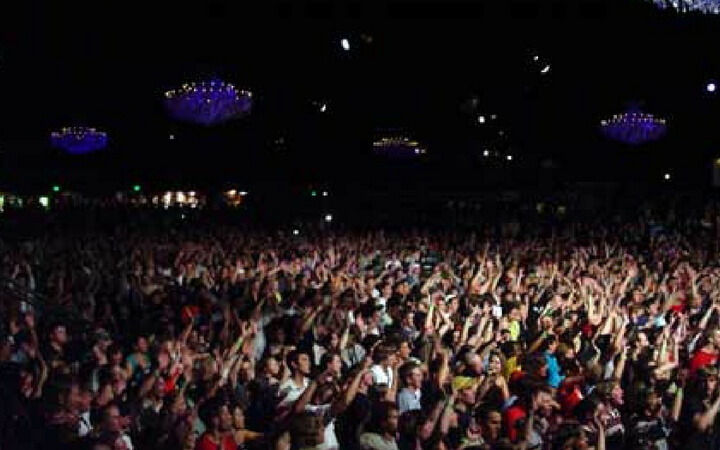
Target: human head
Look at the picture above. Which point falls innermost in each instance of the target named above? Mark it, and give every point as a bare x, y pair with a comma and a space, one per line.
141, 344
58, 334
570, 437
238, 418
490, 421
271, 366
404, 350
412, 375
112, 422
299, 362
496, 362
216, 416
550, 344
332, 362
386, 415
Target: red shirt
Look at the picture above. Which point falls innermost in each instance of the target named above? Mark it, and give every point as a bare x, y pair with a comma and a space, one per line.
512, 416
207, 443
702, 359
569, 398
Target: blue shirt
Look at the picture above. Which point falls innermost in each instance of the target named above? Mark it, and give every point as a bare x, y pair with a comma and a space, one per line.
408, 400
553, 370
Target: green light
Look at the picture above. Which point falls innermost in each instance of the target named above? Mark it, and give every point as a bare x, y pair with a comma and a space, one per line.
313, 193
136, 188
56, 188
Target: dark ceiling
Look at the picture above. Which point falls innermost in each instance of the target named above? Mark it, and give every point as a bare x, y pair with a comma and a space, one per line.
91, 63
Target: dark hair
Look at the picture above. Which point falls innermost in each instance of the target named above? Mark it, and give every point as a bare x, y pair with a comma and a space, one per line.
566, 432
210, 410
587, 406
293, 357
482, 412
547, 342
381, 412
410, 421
327, 359
382, 352
406, 369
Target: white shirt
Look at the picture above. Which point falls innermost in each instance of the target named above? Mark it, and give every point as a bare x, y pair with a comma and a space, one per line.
85, 425
382, 376
289, 393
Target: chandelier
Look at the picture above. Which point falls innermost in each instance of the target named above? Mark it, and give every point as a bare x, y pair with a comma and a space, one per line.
398, 147
684, 6
79, 140
208, 103
633, 127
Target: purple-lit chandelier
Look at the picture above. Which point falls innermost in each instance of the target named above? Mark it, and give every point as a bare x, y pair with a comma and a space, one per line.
634, 127
208, 103
686, 6
398, 147
79, 140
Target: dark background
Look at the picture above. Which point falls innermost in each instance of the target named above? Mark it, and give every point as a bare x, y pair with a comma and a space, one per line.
107, 64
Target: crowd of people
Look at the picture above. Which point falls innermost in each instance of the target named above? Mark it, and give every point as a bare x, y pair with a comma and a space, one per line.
602, 335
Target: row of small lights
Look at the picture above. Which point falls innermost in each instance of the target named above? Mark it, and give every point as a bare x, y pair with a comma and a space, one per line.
390, 142
633, 118
205, 87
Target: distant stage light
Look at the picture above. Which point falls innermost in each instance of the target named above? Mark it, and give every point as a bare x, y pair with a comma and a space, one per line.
481, 119
509, 157
345, 44
545, 69
328, 218
667, 177
486, 153
711, 87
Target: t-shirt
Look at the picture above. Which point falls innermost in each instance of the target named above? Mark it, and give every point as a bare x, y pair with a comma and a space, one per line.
382, 376
409, 400
702, 359
513, 416
648, 431
614, 429
290, 393
373, 441
206, 442
553, 371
